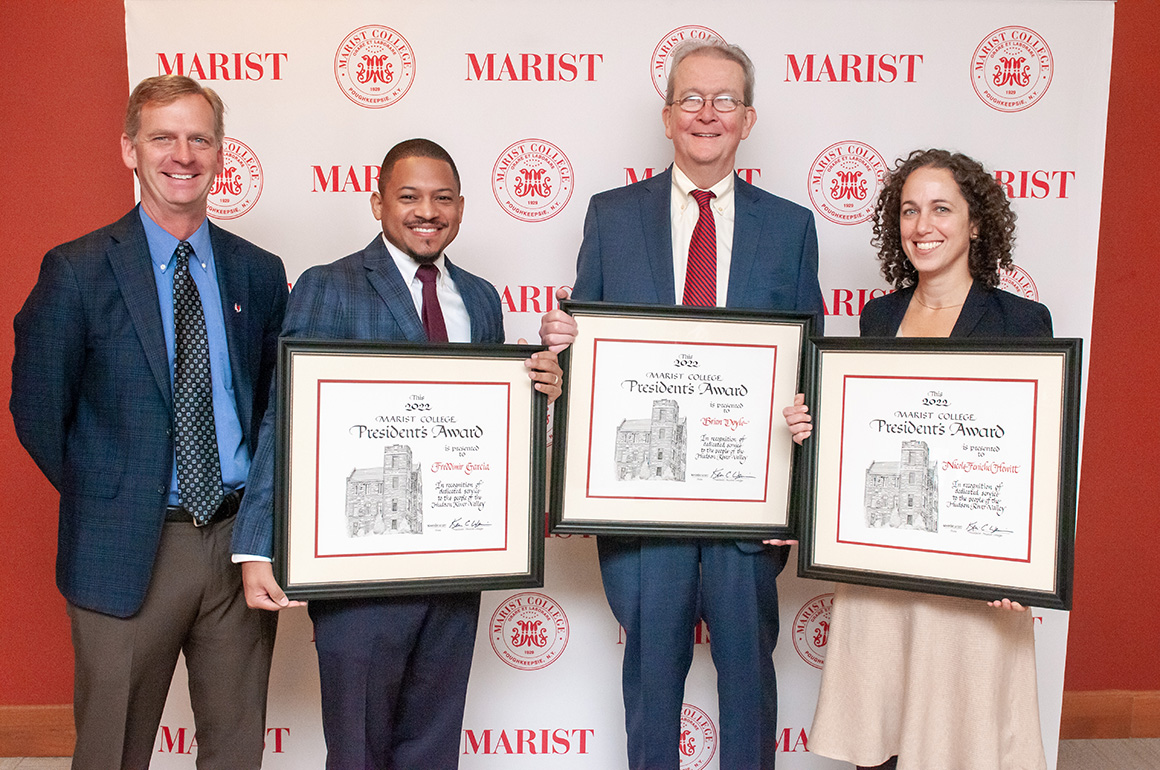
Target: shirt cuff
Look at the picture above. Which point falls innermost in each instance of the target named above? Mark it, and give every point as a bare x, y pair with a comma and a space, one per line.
239, 558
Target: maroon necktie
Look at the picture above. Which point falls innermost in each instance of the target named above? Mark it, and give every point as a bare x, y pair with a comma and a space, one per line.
432, 314
701, 269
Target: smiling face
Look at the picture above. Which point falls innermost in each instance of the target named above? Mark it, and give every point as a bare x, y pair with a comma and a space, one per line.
705, 142
935, 224
176, 158
420, 207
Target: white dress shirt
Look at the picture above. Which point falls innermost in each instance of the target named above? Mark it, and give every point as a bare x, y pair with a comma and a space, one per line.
454, 311
684, 213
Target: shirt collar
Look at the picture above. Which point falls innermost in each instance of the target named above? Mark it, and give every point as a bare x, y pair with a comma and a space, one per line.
162, 244
684, 187
408, 266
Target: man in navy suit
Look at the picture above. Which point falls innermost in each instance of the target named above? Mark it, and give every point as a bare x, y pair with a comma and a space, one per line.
393, 670
637, 248
93, 402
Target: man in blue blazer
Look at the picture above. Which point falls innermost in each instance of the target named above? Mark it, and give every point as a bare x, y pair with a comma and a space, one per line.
93, 402
638, 248
393, 670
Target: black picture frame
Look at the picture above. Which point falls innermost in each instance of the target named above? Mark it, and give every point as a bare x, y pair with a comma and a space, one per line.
735, 365
462, 437
997, 424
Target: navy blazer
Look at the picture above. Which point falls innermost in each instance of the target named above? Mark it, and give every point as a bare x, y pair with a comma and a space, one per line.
93, 402
359, 297
627, 253
986, 313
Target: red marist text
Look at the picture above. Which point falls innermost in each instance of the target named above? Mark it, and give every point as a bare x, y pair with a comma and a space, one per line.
792, 741
360, 179
851, 301
565, 67
852, 67
184, 741
1034, 184
632, 175
529, 299
562, 740
223, 66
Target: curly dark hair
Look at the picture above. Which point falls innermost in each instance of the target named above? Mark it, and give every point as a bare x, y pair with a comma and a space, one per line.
987, 206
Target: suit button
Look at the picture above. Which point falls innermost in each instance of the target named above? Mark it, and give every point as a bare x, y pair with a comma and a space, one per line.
169, 432
160, 490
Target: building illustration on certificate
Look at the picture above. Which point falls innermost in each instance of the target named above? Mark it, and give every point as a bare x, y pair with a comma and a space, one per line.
387, 499
652, 448
903, 494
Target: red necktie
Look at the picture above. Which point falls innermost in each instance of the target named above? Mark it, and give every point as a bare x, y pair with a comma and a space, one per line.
432, 313
701, 269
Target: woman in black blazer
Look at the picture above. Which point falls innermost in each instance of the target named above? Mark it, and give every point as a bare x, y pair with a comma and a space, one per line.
931, 682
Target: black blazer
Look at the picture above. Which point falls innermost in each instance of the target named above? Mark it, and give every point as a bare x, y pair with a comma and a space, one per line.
986, 313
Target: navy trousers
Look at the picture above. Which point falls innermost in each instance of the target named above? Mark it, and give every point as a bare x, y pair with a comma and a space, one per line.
394, 679
655, 587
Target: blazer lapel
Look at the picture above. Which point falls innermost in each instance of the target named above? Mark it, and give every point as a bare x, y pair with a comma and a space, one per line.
234, 288
385, 279
972, 312
746, 229
133, 270
655, 204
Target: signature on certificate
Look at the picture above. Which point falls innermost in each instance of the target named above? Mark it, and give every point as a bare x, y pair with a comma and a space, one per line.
468, 524
721, 474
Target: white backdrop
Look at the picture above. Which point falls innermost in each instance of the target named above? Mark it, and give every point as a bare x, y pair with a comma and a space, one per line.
572, 89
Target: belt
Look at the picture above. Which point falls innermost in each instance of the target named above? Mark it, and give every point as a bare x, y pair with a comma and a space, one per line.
225, 510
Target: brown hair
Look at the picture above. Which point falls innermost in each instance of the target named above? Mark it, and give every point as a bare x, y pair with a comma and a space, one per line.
987, 206
166, 89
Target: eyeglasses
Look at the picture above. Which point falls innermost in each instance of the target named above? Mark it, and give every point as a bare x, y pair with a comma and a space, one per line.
721, 103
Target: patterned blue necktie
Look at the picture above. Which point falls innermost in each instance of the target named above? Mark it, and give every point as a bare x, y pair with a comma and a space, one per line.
199, 471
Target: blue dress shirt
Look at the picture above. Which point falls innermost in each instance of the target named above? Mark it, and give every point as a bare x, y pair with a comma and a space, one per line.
232, 450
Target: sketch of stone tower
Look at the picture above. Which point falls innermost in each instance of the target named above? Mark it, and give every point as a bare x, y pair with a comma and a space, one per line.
903, 494
652, 448
387, 499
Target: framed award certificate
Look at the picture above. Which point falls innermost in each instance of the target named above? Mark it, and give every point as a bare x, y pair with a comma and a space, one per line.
672, 423
944, 466
407, 469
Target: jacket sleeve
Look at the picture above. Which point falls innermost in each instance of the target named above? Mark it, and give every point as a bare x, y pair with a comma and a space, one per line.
48, 364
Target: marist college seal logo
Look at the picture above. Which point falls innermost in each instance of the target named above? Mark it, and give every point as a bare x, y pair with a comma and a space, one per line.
698, 738
532, 180
374, 66
660, 57
1011, 69
239, 185
1018, 281
811, 629
529, 631
844, 182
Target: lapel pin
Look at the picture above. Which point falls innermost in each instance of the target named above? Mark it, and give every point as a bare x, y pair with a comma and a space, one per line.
237, 308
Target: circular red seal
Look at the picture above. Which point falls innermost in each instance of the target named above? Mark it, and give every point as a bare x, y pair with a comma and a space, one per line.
529, 631
811, 629
1011, 69
532, 180
374, 66
1018, 281
844, 182
239, 184
698, 738
660, 58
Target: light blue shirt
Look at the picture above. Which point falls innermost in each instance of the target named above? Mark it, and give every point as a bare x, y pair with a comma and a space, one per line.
232, 449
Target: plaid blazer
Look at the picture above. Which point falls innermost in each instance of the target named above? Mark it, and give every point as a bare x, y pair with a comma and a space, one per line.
93, 402
359, 297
